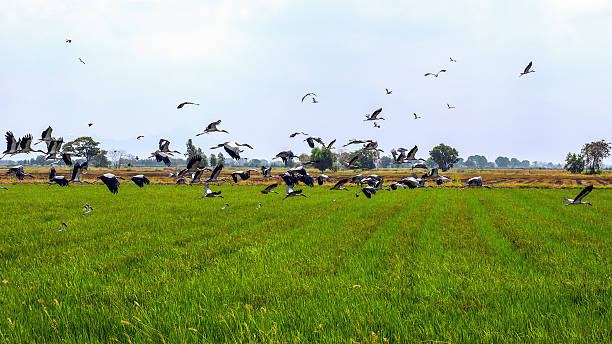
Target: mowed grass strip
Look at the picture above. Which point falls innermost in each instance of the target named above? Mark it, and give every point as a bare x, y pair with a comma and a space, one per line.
159, 265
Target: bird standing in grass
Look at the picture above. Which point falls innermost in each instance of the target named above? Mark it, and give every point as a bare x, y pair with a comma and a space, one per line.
63, 227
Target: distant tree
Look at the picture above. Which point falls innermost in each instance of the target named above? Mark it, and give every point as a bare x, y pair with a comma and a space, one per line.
515, 163
303, 157
100, 159
431, 163
525, 164
213, 160
366, 158
477, 161
116, 156
444, 156
221, 159
324, 156
594, 153
459, 163
502, 162
385, 162
83, 146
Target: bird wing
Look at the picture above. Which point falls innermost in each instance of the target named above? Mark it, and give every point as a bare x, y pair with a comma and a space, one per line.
270, 187
353, 159
331, 144
194, 161
47, 133
412, 153
442, 71
216, 171
67, 159
427, 74
308, 94
528, 67
583, 193
376, 113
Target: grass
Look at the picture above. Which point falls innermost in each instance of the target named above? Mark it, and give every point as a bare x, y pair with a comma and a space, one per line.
430, 265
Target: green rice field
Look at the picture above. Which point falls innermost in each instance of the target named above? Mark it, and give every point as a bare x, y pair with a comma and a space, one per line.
159, 265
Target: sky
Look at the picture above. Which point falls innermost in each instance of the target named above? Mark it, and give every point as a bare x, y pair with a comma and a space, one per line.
248, 63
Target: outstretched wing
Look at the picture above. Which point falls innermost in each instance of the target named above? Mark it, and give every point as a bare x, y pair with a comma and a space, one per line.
528, 67
583, 193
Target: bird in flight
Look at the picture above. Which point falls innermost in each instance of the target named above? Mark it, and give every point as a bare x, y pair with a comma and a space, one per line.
415, 115
527, 69
89, 124
68, 40
374, 116
436, 74
314, 100
81, 60
580, 196
388, 91
297, 133
309, 94
212, 127
180, 106
452, 60
376, 125
449, 106
139, 137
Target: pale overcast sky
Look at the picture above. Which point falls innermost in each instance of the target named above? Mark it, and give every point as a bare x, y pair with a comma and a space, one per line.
249, 62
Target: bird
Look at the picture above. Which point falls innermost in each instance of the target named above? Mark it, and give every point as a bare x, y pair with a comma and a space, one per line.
373, 145
388, 91
81, 60
53, 148
181, 181
139, 137
111, 181
436, 74
269, 189
452, 60
87, 209
331, 144
396, 185
285, 156
214, 176
259, 205
527, 69
376, 125
164, 146
289, 179
411, 155
297, 133
12, 144
140, 180
309, 94
25, 145
45, 136
3, 188
55, 179
418, 165
475, 182
192, 165
311, 141
161, 157
323, 178
354, 141
352, 161
225, 206
197, 175
581, 195
89, 124
449, 106
368, 191
209, 193
212, 127
67, 158
232, 148
374, 116
339, 184
314, 100
180, 106
293, 193
63, 227
265, 172
68, 40
243, 175
18, 172
415, 115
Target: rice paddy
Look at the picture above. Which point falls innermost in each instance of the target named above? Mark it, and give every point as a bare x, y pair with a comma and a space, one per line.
427, 265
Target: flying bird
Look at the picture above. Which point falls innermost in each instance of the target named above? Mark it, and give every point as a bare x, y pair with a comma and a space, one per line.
68, 40
374, 116
309, 94
323, 178
180, 106
354, 142
436, 74
232, 148
45, 136
269, 189
3, 188
331, 144
581, 195
192, 165
452, 60
161, 157
449, 106
81, 60
243, 175
297, 133
266, 172
12, 145
139, 137
352, 161
388, 91
415, 115
140, 180
293, 193
314, 100
111, 181
339, 184
376, 125
77, 170
89, 124
527, 69
55, 179
209, 193
164, 146
311, 141
212, 127
18, 172
285, 156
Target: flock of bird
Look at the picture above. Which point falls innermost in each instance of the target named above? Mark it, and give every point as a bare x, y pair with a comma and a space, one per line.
369, 184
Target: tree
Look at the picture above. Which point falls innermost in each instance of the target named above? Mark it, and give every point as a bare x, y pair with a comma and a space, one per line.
525, 164
594, 153
100, 160
221, 159
444, 156
324, 156
303, 158
515, 163
502, 162
476, 161
366, 158
385, 162
83, 146
116, 156
213, 160
574, 163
